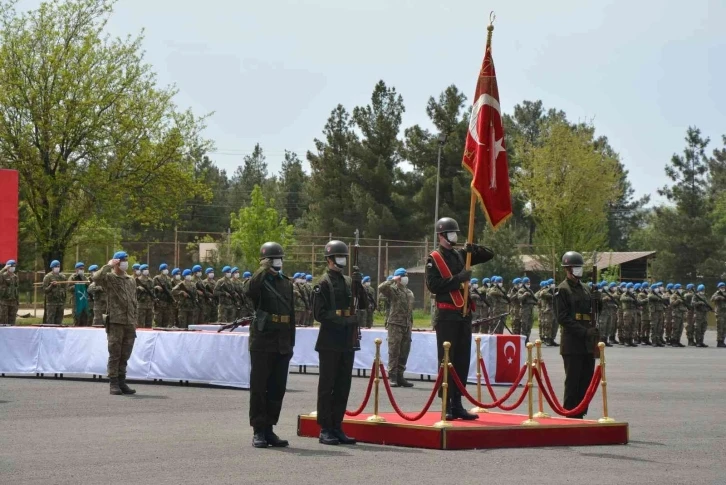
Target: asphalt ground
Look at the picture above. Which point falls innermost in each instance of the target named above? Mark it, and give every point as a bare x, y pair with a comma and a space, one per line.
71, 431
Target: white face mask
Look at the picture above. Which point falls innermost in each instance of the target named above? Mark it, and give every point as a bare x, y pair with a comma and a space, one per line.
123, 265
277, 264
552, 285
499, 285
145, 272
80, 272
630, 290
404, 280
137, 272
210, 276
56, 270
452, 237
188, 277
227, 275
199, 274
577, 271
475, 286
701, 292
527, 285
367, 283
177, 277
165, 272
11, 269
236, 276
341, 261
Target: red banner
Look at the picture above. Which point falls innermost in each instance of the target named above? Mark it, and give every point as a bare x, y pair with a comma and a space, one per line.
508, 358
8, 215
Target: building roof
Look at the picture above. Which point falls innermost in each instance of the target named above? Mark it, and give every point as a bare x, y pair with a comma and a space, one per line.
534, 264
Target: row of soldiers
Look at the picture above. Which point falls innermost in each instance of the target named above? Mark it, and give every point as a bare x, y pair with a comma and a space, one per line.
655, 315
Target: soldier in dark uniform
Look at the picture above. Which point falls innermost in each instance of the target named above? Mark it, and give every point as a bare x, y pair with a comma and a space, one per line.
579, 335
451, 324
335, 345
272, 338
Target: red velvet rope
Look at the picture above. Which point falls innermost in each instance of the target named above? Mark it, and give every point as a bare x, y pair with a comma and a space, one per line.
556, 407
405, 416
367, 396
546, 375
498, 403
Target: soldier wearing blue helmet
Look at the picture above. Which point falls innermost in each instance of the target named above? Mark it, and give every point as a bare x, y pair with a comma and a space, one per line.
55, 294
145, 297
96, 299
121, 319
678, 313
370, 294
526, 300
701, 309
498, 299
607, 320
689, 319
164, 305
545, 296
628, 305
224, 293
657, 305
211, 308
644, 335
9, 294
185, 293
719, 301
515, 308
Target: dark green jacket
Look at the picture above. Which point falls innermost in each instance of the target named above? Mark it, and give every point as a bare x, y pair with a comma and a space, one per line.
573, 299
275, 336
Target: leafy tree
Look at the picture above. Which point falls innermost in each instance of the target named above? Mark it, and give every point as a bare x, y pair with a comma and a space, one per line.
257, 224
84, 123
507, 261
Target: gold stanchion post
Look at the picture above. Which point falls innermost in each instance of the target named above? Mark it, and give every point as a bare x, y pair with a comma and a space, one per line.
445, 390
477, 409
603, 382
540, 413
376, 418
530, 401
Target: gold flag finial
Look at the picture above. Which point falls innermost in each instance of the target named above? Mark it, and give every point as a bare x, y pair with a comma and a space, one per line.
490, 27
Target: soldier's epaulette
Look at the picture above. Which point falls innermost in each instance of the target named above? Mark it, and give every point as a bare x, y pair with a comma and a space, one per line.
316, 288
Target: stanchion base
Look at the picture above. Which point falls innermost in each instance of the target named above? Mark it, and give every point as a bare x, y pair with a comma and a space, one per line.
477, 410
530, 422
314, 414
489, 430
541, 415
605, 420
376, 419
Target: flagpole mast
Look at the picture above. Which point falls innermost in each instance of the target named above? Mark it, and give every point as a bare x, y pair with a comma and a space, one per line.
472, 203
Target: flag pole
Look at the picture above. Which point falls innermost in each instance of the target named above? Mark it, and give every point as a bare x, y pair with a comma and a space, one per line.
472, 203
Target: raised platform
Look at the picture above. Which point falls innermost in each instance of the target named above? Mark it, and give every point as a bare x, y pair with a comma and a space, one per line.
491, 430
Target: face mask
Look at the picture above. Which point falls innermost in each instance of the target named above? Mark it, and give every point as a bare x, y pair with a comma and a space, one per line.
527, 285
11, 269
210, 276
177, 277
700, 292
165, 272
630, 290
137, 272
56, 270
552, 285
475, 286
341, 261
145, 272
404, 280
366, 284
123, 265
236, 276
188, 277
577, 271
277, 264
227, 275
499, 285
198, 274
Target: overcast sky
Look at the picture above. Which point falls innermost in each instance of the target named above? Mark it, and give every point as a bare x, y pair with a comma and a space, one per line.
272, 70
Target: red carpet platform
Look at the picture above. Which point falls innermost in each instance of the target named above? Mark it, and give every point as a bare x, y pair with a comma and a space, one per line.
491, 430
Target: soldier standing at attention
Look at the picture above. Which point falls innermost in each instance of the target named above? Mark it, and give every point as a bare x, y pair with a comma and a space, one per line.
163, 306
678, 311
145, 298
668, 315
498, 300
121, 321
579, 336
445, 273
527, 301
8, 294
223, 290
185, 294
176, 278
209, 284
271, 344
627, 305
100, 302
701, 309
332, 302
55, 294
248, 307
514, 306
79, 319
688, 299
719, 300
476, 304
656, 305
371, 294
635, 334
644, 314
201, 297
309, 291
400, 325
546, 314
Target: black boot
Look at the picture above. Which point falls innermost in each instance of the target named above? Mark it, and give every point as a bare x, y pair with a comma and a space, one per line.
631, 343
449, 414
274, 440
327, 437
457, 409
393, 380
701, 344
258, 438
614, 340
721, 344
677, 343
608, 344
691, 343
114, 386
342, 437
554, 344
402, 382
122, 385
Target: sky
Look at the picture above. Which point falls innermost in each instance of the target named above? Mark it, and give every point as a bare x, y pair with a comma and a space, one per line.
271, 71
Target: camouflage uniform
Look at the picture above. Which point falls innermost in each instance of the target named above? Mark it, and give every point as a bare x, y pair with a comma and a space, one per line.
627, 305
719, 301
55, 297
371, 293
668, 317
223, 290
239, 299
383, 308
144, 292
546, 314
100, 305
700, 312
8, 297
688, 299
497, 298
185, 293
400, 323
678, 310
609, 314
527, 301
248, 308
203, 300
212, 313
656, 305
619, 322
644, 317
515, 310
309, 313
301, 305
164, 305
477, 303
122, 316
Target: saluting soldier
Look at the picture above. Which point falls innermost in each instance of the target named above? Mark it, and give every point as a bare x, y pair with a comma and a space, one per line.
336, 343
8, 294
400, 325
145, 298
55, 294
445, 274
272, 338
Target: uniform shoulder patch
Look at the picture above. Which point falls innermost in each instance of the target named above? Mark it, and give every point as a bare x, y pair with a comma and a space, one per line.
316, 288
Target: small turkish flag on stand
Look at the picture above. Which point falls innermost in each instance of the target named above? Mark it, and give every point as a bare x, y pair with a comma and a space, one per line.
508, 358
485, 155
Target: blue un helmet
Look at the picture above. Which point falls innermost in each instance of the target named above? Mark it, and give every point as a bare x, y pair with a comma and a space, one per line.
136, 266
644, 286
80, 265
516, 281
500, 279
226, 269
55, 264
175, 271
120, 255
400, 272
296, 276
235, 269
622, 284
486, 281
187, 272
93, 267
209, 270
366, 279
247, 274
196, 268
163, 266
636, 286
543, 283
473, 281
721, 284
701, 288
612, 285
677, 286
309, 277
144, 267
689, 286
389, 277
525, 280
628, 286
669, 286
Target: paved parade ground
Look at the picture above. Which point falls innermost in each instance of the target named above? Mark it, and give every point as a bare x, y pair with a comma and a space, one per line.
72, 431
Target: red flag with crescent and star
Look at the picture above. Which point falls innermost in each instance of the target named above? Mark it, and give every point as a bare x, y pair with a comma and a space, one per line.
485, 154
508, 358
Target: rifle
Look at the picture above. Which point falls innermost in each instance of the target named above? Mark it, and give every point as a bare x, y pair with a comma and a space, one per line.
536, 300
359, 293
240, 322
506, 297
502, 321
710, 308
192, 296
166, 290
303, 296
485, 320
154, 298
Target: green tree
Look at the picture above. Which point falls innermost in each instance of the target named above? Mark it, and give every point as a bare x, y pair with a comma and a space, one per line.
257, 224
85, 124
293, 182
507, 261
252, 172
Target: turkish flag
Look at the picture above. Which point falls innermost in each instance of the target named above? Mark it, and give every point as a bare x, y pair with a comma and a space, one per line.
508, 357
8, 215
485, 154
